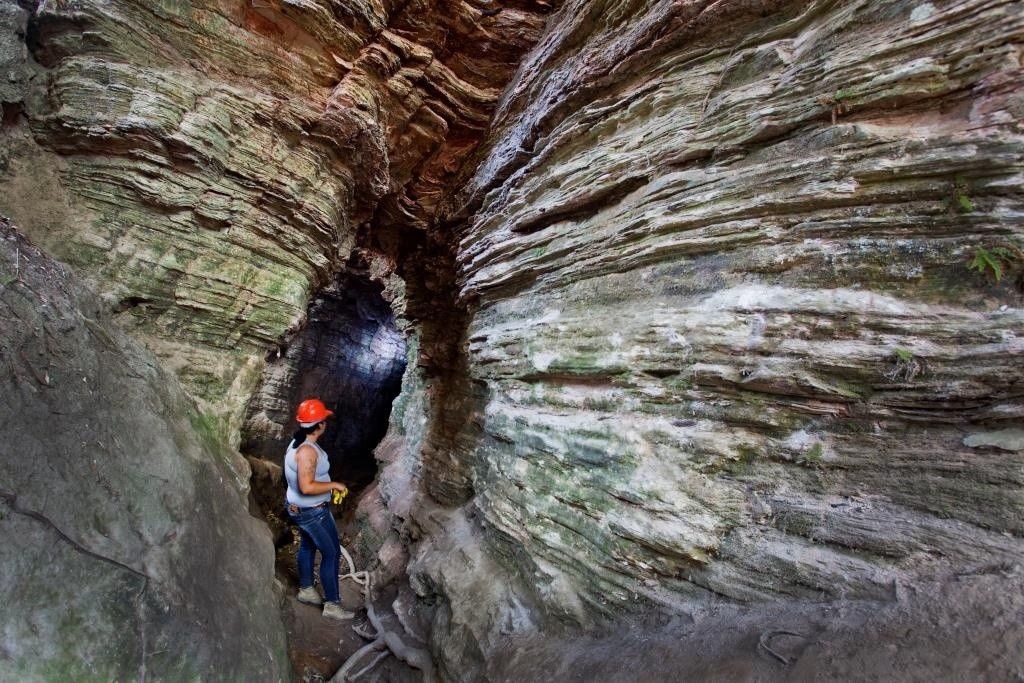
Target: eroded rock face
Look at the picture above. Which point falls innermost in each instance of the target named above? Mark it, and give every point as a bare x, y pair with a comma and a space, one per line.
127, 548
696, 325
208, 164
718, 253
352, 357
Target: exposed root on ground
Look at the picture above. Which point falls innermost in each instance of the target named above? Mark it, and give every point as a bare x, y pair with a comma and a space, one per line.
765, 639
384, 642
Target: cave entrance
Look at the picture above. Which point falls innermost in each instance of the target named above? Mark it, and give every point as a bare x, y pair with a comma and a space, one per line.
351, 356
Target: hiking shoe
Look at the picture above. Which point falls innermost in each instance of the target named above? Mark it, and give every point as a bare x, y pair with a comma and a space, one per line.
333, 610
310, 596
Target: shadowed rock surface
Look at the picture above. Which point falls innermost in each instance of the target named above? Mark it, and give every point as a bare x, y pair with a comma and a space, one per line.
964, 630
128, 550
349, 355
713, 308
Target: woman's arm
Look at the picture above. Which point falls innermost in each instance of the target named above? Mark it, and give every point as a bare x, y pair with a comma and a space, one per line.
305, 458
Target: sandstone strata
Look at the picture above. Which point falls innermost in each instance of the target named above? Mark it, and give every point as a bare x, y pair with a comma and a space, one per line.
128, 552
717, 260
210, 164
697, 324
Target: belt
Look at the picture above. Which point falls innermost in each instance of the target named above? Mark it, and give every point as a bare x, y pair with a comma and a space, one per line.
295, 509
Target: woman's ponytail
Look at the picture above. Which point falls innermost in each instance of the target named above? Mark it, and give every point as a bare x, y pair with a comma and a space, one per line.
299, 437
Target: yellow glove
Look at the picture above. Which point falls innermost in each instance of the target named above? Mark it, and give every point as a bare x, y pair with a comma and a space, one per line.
338, 496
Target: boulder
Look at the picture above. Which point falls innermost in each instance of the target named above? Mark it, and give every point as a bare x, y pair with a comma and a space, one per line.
128, 552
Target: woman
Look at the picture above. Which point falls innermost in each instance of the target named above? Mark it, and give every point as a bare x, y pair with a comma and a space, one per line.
307, 470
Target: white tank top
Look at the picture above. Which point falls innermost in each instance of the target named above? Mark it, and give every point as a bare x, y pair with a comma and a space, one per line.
291, 473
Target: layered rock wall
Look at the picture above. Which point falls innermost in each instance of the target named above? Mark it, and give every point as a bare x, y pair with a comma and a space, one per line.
726, 309
209, 164
718, 256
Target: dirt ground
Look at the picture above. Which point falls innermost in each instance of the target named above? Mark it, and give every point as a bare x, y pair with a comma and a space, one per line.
318, 647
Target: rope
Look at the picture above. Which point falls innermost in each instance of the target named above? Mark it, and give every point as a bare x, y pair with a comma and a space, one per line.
384, 641
362, 578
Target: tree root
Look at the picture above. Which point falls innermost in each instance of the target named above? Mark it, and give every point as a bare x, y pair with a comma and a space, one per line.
403, 618
385, 642
11, 500
762, 642
363, 632
343, 674
374, 662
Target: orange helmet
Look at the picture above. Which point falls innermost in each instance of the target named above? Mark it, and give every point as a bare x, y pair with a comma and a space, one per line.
311, 411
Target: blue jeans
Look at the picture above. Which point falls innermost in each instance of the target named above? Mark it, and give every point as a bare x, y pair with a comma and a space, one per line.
317, 531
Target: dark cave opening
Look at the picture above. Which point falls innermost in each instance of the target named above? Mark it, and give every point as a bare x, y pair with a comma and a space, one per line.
352, 359
351, 356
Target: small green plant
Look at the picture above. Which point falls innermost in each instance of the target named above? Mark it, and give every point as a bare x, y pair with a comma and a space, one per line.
905, 367
993, 262
746, 454
961, 202
814, 454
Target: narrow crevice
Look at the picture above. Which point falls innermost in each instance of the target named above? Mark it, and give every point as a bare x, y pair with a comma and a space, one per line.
12, 113
350, 355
